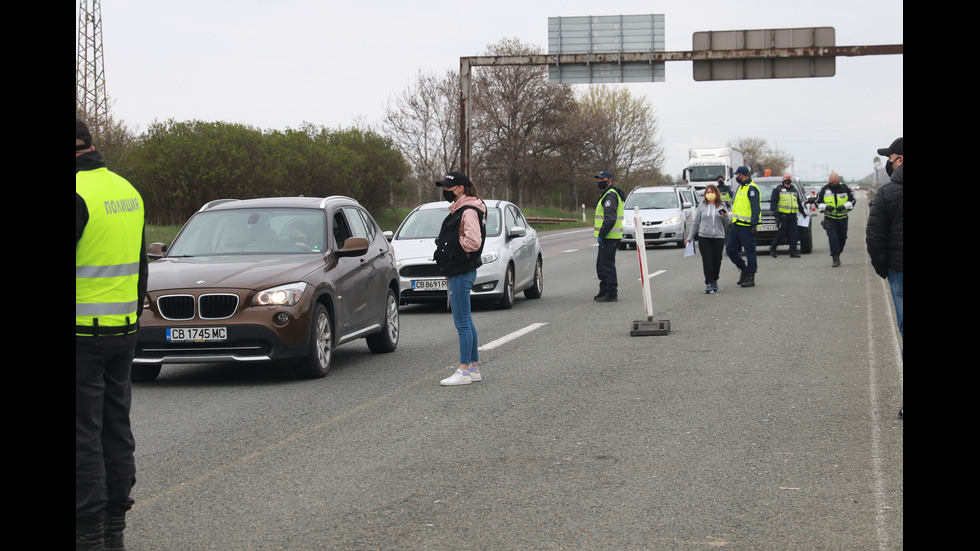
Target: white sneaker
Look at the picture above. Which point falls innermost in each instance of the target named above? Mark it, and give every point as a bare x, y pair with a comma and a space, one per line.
458, 378
476, 377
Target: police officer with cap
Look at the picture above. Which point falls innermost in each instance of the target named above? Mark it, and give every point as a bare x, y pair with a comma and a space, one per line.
746, 211
726, 192
608, 232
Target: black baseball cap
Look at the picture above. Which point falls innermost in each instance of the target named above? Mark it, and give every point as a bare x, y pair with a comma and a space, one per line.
895, 147
454, 179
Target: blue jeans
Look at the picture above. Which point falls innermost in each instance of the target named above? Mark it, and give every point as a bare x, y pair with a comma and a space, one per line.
897, 282
459, 302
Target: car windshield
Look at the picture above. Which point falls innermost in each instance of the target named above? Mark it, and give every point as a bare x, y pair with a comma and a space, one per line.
426, 223
654, 200
706, 173
252, 231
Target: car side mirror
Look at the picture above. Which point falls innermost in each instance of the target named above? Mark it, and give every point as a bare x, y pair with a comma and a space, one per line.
388, 234
156, 251
353, 246
517, 231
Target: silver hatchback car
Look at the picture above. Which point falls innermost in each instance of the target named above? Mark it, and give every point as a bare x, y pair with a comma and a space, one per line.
666, 212
511, 256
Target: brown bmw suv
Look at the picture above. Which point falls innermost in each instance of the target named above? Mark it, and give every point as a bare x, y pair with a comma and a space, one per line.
275, 279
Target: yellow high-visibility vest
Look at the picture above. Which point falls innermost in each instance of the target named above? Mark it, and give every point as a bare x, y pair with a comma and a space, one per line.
741, 208
107, 257
617, 230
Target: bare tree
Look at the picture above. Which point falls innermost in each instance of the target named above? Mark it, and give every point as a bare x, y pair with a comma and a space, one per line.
760, 156
622, 133
423, 121
515, 112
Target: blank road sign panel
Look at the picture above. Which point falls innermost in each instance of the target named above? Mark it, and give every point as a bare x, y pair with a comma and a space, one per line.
767, 67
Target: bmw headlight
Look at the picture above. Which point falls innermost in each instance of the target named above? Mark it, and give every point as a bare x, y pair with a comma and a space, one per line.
489, 257
283, 295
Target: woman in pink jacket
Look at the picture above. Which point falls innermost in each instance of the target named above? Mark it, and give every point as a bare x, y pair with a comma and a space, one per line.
459, 249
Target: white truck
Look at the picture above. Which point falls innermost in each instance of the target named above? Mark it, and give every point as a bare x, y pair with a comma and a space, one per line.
706, 165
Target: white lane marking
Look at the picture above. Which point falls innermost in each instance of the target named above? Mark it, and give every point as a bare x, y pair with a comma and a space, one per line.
565, 233
569, 250
878, 402
654, 274
507, 338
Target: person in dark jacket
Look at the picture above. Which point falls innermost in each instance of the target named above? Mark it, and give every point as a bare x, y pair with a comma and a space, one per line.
884, 232
785, 205
835, 200
459, 249
110, 282
608, 233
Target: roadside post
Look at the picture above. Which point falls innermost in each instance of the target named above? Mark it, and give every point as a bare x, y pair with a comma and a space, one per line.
647, 326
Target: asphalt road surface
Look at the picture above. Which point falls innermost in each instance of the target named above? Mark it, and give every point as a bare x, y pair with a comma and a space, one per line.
765, 419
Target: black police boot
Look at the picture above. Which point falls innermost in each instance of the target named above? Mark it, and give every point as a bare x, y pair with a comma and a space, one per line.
749, 280
772, 250
89, 534
742, 274
836, 261
114, 526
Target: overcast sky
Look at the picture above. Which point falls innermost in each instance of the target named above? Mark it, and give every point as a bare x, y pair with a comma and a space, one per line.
275, 64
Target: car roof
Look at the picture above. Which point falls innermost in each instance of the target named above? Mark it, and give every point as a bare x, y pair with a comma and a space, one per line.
769, 179
278, 202
652, 189
491, 203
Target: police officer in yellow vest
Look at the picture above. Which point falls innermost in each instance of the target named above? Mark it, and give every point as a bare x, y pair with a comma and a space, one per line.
608, 232
726, 192
746, 210
110, 282
835, 200
785, 203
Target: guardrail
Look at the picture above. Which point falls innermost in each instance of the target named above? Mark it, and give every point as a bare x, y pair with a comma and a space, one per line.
543, 220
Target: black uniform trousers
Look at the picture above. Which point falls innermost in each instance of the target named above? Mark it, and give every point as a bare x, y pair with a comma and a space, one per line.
836, 234
105, 469
605, 268
788, 228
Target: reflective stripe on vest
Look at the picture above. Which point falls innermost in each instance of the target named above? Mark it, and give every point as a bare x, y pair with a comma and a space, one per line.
617, 230
107, 257
787, 201
741, 207
834, 200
